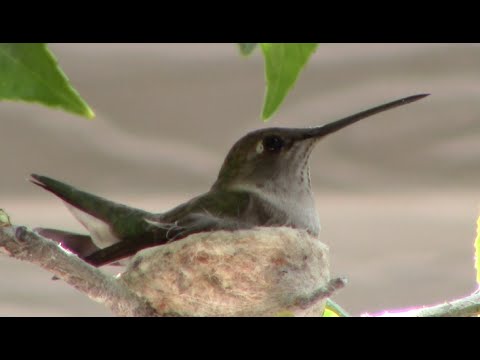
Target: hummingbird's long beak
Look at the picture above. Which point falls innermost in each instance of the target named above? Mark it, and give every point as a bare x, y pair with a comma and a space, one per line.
329, 128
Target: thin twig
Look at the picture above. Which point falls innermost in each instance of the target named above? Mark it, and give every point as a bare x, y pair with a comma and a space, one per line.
464, 307
322, 293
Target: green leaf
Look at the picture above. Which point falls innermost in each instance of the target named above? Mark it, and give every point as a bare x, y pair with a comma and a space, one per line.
330, 313
285, 313
4, 219
477, 251
283, 63
332, 309
30, 72
247, 48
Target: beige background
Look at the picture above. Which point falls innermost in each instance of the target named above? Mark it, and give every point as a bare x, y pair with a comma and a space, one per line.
397, 194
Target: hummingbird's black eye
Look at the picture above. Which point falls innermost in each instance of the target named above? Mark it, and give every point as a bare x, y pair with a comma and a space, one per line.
273, 143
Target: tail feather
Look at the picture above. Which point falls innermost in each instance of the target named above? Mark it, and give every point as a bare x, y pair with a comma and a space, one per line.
107, 222
96, 206
81, 245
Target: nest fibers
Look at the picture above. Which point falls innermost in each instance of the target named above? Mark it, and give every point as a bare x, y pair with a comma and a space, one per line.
260, 272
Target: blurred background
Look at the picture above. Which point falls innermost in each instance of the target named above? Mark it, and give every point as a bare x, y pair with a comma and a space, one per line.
397, 194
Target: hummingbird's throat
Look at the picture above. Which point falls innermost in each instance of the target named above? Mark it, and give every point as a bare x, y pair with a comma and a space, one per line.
299, 162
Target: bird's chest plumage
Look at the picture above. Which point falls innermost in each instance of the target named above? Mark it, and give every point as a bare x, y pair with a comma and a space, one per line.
295, 209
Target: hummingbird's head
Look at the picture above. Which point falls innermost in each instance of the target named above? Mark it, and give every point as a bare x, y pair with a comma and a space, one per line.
266, 156
276, 157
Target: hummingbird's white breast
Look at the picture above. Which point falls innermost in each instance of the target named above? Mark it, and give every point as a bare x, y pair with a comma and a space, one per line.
295, 207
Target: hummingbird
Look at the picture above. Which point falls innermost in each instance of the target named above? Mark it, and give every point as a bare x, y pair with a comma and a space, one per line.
264, 181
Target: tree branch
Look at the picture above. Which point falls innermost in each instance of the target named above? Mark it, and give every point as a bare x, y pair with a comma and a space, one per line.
124, 300
287, 270
321, 293
464, 307
23, 244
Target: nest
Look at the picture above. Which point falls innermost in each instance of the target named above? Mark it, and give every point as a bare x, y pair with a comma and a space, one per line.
259, 272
